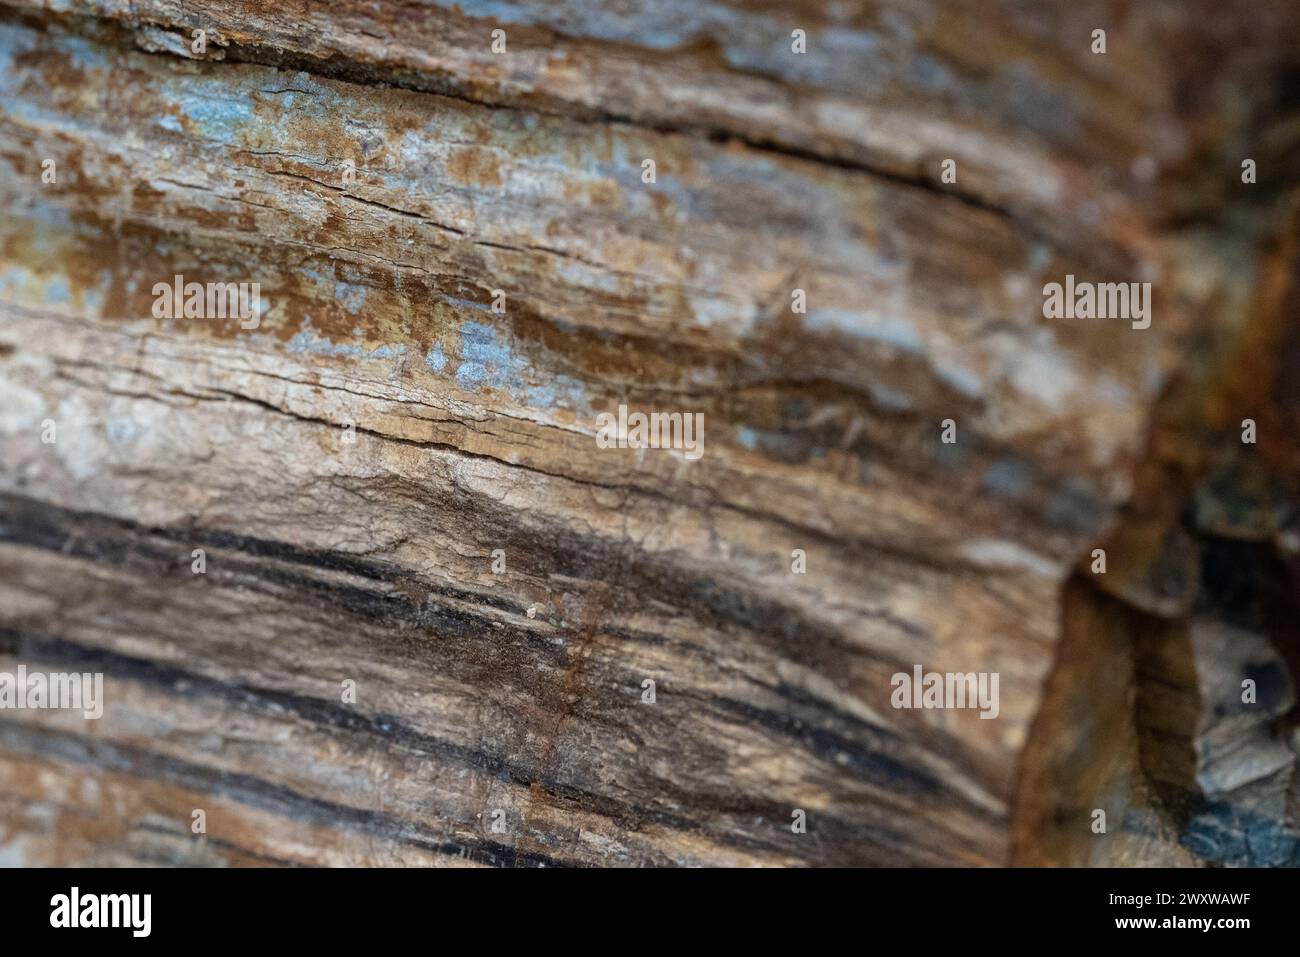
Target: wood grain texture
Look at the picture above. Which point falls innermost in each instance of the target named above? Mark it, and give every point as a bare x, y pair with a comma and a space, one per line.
520, 692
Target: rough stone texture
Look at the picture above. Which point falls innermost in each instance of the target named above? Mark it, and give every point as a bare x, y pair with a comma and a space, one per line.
475, 430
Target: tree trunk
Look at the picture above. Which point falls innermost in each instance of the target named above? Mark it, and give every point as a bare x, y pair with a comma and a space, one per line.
364, 582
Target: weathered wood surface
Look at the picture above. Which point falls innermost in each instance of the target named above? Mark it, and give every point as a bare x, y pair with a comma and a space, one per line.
521, 692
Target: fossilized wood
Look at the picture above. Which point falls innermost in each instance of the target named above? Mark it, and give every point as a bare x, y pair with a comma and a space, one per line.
475, 431
1146, 714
